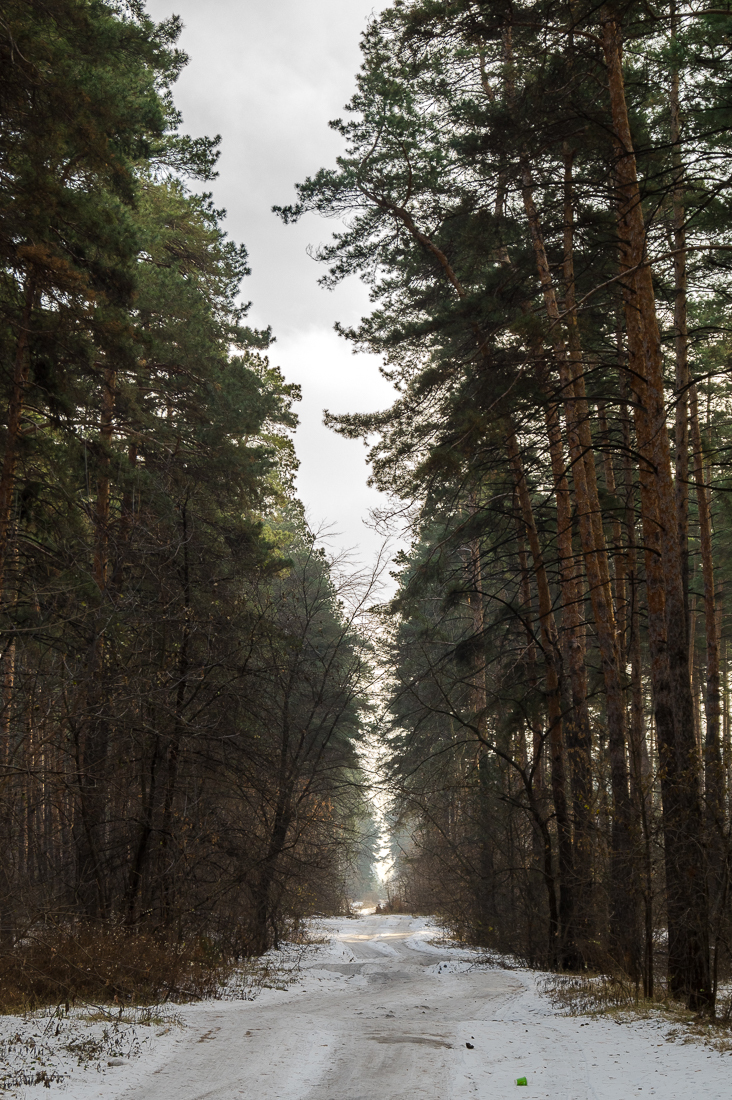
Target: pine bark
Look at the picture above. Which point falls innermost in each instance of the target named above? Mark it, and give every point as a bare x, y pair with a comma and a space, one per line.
640, 766
568, 358
689, 970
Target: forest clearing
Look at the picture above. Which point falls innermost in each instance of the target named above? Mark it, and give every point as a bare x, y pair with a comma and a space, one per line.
507, 709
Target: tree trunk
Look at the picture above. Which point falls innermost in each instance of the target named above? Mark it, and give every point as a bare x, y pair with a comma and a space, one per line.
552, 659
640, 765
534, 771
713, 768
142, 848
176, 740
689, 970
94, 743
577, 724
624, 923
681, 337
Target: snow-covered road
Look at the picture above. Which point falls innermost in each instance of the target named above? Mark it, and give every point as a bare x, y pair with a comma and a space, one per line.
382, 1014
378, 1011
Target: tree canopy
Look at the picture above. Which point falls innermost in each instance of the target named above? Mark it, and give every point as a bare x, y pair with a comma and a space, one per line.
183, 685
536, 194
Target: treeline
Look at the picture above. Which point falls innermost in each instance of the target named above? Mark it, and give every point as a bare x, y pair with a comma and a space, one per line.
182, 682
538, 195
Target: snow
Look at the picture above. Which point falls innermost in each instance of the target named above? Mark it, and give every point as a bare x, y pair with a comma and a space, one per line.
77, 1053
382, 1007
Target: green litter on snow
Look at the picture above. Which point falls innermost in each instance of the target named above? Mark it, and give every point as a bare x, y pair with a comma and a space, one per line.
521, 1081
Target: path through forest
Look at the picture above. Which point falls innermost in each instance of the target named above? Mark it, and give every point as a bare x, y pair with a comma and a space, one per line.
384, 1014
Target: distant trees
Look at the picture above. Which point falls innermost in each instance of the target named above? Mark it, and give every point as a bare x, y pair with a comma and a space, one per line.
182, 685
535, 194
304, 710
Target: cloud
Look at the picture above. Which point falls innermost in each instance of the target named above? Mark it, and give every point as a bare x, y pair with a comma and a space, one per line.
268, 75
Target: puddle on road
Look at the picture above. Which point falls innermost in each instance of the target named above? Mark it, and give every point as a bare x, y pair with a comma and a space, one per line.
421, 1039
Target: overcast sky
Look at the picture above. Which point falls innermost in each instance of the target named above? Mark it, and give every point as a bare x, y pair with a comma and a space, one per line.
268, 75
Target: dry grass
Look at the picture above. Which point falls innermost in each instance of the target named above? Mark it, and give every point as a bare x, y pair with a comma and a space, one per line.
92, 998
581, 995
106, 966
47, 1046
619, 999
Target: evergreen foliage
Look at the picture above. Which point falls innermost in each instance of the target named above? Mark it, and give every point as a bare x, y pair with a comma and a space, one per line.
182, 684
536, 194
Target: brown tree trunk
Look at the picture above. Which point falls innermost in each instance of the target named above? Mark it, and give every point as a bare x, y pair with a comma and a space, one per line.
618, 551
548, 627
624, 924
640, 765
689, 970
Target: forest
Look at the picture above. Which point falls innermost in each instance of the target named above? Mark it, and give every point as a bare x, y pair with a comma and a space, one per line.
538, 195
183, 682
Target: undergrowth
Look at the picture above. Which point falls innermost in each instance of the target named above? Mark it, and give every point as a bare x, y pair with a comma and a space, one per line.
98, 998
619, 998
43, 1046
115, 967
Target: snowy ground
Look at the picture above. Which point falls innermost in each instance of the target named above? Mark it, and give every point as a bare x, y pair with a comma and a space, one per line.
379, 1012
